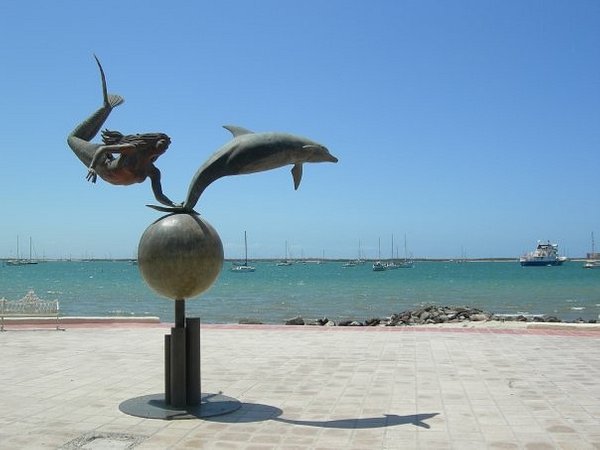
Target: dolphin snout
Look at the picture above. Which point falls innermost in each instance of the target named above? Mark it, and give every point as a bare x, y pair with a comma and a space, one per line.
328, 156
319, 153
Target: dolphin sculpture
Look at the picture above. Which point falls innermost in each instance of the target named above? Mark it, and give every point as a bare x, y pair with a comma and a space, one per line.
250, 152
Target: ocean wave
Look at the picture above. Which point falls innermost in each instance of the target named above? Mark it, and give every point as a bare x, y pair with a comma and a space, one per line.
577, 308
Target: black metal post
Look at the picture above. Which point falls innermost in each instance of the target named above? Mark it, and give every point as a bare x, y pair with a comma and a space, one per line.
168, 369
180, 313
192, 331
178, 397
177, 358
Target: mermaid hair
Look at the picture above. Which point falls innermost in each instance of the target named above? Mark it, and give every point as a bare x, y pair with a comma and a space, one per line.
110, 137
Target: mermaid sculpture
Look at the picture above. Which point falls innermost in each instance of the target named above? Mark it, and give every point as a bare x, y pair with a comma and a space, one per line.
120, 159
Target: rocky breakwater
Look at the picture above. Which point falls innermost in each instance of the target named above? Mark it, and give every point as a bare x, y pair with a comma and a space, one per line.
427, 315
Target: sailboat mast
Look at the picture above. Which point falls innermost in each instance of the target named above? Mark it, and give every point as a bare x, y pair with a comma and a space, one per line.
245, 249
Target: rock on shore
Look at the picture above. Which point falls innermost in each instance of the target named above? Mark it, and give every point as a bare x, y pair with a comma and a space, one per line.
430, 315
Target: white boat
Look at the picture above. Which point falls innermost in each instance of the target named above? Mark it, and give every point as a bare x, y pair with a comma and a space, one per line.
285, 262
21, 261
355, 262
378, 266
242, 268
391, 264
592, 262
406, 263
545, 254
595, 264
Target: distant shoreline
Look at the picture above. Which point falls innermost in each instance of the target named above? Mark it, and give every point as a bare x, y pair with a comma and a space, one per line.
303, 261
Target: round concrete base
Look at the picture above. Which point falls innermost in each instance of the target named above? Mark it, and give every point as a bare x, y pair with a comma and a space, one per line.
154, 407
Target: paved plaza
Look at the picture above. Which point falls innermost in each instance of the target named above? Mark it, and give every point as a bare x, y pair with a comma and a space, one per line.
308, 388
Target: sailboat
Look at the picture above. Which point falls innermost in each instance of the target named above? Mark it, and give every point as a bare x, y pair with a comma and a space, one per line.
286, 261
392, 264
237, 267
592, 262
354, 262
378, 266
19, 261
406, 263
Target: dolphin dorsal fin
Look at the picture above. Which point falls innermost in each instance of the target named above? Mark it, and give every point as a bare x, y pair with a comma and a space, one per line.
237, 131
297, 174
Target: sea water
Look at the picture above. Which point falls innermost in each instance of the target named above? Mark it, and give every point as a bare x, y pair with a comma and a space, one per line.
273, 293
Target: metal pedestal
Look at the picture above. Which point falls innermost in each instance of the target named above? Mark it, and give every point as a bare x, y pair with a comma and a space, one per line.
182, 398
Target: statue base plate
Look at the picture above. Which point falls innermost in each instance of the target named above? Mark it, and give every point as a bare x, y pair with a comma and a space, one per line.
154, 407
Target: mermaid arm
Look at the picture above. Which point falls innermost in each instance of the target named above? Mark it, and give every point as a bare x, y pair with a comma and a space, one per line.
105, 150
154, 175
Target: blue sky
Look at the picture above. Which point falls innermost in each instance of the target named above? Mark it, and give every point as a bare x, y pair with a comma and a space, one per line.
468, 126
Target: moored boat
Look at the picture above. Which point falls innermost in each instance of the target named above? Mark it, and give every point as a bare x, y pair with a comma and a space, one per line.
592, 262
239, 267
378, 266
21, 261
545, 254
285, 262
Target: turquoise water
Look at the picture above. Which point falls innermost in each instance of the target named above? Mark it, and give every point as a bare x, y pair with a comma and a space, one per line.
273, 294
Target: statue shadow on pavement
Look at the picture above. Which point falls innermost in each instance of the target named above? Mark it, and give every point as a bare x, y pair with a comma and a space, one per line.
255, 412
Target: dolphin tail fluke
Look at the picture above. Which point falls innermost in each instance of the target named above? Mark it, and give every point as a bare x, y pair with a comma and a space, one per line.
297, 175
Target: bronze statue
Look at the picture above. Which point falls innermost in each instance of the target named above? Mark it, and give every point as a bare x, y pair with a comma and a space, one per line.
247, 152
250, 152
136, 153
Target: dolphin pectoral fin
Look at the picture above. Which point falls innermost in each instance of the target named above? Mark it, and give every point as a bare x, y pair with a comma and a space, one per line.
297, 174
237, 131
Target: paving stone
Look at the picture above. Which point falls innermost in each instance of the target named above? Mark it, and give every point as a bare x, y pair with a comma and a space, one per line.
313, 387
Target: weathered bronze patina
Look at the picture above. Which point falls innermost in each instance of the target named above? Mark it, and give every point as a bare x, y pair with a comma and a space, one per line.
250, 152
120, 159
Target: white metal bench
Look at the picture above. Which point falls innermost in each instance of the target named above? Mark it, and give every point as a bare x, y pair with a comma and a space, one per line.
29, 306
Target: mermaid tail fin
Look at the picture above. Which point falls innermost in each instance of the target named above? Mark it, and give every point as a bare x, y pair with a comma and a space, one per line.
110, 100
114, 100
80, 137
